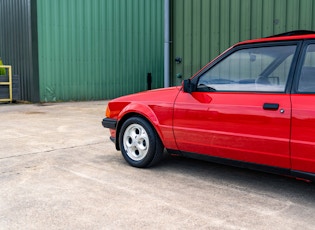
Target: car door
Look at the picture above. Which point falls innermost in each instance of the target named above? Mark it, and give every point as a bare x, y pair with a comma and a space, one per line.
303, 113
239, 108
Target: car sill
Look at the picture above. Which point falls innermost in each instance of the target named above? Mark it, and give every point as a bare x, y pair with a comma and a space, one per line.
252, 166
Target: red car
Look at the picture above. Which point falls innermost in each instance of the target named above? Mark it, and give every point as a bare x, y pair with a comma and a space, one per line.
253, 107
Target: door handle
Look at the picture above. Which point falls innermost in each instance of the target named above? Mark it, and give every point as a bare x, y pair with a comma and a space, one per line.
271, 106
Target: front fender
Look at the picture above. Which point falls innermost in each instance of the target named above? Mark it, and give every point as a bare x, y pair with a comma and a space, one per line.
159, 116
140, 109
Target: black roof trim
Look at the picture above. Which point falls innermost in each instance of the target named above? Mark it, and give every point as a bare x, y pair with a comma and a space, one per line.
293, 33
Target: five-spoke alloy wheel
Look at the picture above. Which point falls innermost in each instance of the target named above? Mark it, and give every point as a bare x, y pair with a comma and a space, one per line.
139, 143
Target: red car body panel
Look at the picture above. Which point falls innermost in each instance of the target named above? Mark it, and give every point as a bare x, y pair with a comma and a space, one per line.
303, 133
276, 39
234, 126
154, 105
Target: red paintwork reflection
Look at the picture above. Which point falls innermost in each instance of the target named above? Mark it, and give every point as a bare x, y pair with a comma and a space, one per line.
234, 126
303, 135
229, 125
155, 105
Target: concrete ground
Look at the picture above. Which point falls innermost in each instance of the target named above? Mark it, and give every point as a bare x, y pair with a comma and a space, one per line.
58, 170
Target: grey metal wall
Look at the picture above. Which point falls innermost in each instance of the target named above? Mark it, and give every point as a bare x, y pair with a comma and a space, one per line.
18, 44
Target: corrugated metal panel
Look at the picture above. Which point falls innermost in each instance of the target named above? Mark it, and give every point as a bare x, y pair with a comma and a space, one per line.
204, 28
99, 49
18, 43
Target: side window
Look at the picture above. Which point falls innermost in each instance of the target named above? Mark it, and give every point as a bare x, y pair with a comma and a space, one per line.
307, 75
253, 69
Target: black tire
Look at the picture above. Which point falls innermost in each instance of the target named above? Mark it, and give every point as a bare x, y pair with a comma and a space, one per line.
139, 143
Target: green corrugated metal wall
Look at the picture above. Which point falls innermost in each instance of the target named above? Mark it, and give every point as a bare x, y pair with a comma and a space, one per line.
98, 49
204, 28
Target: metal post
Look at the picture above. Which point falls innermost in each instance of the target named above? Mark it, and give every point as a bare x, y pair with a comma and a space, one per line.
166, 43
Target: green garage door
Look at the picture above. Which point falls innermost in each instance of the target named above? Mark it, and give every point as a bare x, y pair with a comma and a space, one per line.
204, 28
98, 49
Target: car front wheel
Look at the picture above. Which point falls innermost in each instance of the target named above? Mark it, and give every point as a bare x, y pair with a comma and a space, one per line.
139, 143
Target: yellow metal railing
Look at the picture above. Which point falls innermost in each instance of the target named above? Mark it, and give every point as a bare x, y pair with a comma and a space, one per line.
7, 83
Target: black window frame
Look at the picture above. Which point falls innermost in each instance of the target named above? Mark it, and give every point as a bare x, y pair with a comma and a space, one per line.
295, 60
299, 66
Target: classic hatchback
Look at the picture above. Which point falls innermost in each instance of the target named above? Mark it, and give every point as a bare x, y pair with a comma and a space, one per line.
253, 106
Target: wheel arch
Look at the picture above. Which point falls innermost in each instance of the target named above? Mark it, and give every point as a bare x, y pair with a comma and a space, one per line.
151, 119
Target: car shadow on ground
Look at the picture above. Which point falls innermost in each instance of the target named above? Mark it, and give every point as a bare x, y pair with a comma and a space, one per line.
242, 178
